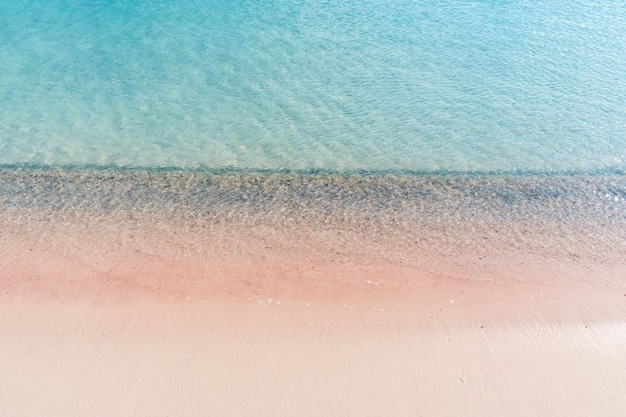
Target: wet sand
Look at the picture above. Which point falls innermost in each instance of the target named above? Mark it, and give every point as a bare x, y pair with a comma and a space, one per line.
110, 310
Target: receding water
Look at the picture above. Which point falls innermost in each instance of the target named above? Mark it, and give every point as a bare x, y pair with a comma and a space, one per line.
423, 86
436, 125
576, 214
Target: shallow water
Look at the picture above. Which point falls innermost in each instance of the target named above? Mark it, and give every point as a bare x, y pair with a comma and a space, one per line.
561, 215
458, 86
435, 124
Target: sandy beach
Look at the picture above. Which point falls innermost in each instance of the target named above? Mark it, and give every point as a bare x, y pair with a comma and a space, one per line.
313, 208
95, 323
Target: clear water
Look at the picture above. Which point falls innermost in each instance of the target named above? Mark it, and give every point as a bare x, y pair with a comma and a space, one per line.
423, 86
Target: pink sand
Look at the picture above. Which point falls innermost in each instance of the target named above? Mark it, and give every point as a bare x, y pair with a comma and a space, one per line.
98, 321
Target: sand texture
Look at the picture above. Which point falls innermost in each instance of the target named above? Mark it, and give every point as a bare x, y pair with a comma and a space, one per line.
127, 333
341, 300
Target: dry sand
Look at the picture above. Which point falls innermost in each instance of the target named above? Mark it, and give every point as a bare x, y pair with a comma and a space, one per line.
97, 321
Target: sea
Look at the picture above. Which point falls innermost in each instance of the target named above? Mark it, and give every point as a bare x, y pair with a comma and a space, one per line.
375, 113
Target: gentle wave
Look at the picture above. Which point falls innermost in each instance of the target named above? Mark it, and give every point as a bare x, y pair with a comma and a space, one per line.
562, 214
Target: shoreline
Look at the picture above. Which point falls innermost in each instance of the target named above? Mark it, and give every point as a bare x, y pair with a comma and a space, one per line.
194, 299
99, 262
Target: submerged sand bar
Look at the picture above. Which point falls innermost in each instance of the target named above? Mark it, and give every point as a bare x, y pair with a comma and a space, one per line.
130, 292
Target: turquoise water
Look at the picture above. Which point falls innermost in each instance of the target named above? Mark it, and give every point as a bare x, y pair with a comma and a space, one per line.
424, 86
